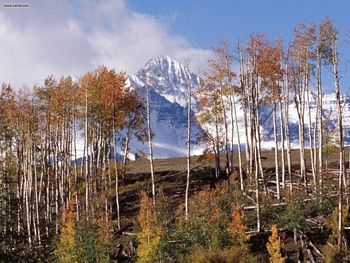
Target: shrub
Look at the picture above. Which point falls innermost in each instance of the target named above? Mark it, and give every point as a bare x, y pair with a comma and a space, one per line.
104, 242
238, 226
67, 250
274, 247
231, 255
150, 233
87, 236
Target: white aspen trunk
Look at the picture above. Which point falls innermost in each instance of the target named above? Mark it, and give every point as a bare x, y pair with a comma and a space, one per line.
105, 156
150, 144
27, 198
319, 119
251, 121
227, 165
258, 137
310, 136
47, 157
286, 128
43, 168
188, 150
299, 102
238, 143
217, 145
276, 151
302, 152
75, 166
110, 145
283, 168
36, 198
341, 144
55, 155
247, 124
244, 103
126, 146
116, 176
91, 173
232, 134
86, 156
257, 193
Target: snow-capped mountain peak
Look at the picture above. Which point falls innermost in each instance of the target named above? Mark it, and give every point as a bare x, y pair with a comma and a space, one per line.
168, 77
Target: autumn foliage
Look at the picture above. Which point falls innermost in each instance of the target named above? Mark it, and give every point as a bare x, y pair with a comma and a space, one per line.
274, 246
150, 233
67, 249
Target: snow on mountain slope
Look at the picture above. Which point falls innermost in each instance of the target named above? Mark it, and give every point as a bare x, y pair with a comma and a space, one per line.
329, 115
168, 77
168, 80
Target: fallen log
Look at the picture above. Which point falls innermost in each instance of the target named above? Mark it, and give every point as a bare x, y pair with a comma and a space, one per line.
128, 233
316, 249
311, 257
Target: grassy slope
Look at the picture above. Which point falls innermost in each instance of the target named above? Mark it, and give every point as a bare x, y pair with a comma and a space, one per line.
171, 178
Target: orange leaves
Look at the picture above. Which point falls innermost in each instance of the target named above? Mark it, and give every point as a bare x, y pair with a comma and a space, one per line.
238, 224
269, 67
106, 92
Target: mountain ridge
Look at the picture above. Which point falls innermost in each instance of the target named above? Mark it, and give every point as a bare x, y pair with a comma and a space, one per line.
168, 81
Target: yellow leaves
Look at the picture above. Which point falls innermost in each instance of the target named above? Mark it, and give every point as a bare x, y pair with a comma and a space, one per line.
150, 233
67, 250
104, 241
333, 222
274, 247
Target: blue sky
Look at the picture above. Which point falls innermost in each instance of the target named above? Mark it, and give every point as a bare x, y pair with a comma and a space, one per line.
204, 23
71, 37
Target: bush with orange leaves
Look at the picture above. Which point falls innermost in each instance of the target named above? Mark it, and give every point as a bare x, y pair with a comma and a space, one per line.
238, 226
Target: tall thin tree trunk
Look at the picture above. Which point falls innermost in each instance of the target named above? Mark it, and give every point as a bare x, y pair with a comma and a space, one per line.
86, 157
149, 132
283, 169
188, 149
238, 143
276, 150
341, 143
319, 119
126, 146
310, 137
115, 157
224, 117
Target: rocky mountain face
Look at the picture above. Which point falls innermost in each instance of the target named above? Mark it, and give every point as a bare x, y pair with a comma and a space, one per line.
168, 81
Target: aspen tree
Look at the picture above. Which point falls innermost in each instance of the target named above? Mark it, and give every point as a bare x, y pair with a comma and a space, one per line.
333, 35
270, 72
150, 145
188, 157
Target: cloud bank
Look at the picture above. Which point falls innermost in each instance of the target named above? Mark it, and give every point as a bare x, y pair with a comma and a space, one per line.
71, 37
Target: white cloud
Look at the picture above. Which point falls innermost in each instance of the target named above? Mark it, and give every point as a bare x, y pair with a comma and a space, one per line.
71, 37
